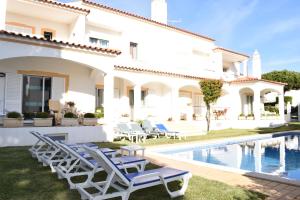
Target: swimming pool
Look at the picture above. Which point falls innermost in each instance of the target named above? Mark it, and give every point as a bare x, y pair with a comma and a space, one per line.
277, 154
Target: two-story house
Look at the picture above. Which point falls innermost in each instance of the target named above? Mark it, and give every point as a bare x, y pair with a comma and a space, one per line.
98, 56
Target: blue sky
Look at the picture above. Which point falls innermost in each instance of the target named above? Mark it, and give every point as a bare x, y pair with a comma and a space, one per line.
271, 26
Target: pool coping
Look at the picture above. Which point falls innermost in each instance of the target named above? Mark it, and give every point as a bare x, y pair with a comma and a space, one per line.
264, 176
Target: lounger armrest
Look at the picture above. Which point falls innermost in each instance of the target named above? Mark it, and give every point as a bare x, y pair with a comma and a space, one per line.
141, 177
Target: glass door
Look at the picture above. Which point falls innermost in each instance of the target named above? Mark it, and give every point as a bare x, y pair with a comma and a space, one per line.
36, 94
250, 104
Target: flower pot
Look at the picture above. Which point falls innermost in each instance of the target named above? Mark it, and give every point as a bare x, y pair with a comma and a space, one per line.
250, 118
40, 122
69, 122
242, 118
12, 122
89, 121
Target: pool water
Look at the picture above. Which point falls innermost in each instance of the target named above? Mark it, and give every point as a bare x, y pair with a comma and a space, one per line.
278, 155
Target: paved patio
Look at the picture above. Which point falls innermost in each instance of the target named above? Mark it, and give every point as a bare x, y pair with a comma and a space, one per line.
275, 190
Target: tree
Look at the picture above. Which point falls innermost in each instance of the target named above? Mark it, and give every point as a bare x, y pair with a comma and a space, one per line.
290, 77
211, 90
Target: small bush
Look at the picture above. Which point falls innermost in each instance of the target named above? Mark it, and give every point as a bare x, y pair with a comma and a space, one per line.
14, 115
99, 115
29, 115
42, 115
89, 115
71, 103
70, 115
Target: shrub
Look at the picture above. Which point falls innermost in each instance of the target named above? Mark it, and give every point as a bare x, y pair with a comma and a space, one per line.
70, 115
250, 115
71, 103
288, 99
29, 115
42, 115
14, 115
89, 115
99, 115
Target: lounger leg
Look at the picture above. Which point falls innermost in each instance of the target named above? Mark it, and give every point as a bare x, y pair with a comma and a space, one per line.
180, 192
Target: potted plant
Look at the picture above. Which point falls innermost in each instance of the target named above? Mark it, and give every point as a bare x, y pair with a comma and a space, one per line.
250, 117
69, 119
89, 119
242, 116
100, 117
42, 119
12, 120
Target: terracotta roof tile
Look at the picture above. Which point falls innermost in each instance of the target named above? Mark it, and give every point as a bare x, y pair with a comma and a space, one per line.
230, 51
63, 5
158, 72
253, 79
60, 43
88, 2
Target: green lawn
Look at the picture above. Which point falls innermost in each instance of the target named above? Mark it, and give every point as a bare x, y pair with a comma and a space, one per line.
23, 178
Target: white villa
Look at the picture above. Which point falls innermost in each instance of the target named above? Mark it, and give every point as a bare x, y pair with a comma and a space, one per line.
98, 56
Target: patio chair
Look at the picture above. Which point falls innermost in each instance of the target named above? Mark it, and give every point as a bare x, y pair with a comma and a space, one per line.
150, 129
81, 164
170, 134
122, 128
142, 135
125, 184
53, 154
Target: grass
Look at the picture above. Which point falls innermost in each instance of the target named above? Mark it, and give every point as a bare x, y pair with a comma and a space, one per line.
213, 135
23, 178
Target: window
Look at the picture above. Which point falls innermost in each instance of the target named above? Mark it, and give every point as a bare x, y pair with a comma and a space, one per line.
99, 97
36, 93
99, 42
249, 99
48, 35
131, 97
133, 50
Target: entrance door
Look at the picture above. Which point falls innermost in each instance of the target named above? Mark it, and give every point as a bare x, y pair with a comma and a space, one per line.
2, 93
36, 94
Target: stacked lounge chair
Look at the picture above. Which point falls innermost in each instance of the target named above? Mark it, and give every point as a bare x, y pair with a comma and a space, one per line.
87, 159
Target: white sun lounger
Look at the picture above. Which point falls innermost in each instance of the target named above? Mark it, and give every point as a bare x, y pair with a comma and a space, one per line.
125, 184
132, 135
81, 164
138, 129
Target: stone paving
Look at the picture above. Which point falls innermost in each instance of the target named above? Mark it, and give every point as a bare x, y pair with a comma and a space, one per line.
274, 190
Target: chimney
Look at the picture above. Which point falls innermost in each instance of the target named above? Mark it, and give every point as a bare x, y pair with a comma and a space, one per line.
159, 11
256, 65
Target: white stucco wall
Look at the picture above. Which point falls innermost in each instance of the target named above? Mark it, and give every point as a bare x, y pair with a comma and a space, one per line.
61, 30
79, 134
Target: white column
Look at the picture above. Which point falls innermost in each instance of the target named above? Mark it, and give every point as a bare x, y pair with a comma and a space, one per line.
299, 114
256, 104
237, 66
3, 4
281, 106
137, 102
245, 67
108, 98
175, 104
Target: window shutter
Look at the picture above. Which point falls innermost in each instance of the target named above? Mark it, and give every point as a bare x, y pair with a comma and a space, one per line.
58, 88
13, 94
